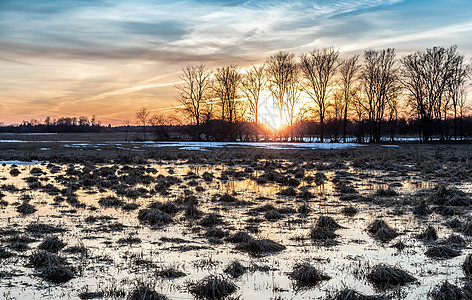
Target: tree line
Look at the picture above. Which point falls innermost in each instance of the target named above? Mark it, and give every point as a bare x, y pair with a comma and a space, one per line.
426, 88
61, 124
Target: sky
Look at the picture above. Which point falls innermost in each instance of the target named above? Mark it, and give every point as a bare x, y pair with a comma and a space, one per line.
108, 58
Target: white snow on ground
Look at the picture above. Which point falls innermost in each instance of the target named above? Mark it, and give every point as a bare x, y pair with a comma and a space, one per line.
266, 145
19, 162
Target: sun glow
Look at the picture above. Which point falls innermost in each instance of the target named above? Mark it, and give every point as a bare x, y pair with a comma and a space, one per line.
269, 114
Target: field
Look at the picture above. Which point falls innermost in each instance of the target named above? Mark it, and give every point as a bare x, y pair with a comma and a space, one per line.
94, 216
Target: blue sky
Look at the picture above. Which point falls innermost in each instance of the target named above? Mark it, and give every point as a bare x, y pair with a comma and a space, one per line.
79, 57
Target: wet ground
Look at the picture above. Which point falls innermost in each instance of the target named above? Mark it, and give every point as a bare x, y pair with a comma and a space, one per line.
168, 224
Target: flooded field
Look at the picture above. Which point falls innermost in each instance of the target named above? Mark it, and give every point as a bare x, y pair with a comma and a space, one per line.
370, 223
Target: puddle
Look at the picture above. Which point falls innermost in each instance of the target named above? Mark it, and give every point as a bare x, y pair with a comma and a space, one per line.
71, 196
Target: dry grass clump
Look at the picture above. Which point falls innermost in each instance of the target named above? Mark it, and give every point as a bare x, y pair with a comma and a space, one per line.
51, 267
145, 293
422, 210
216, 233
381, 231
400, 245
19, 242
110, 201
228, 198
207, 176
441, 252
77, 249
235, 269
454, 223
304, 209
239, 237
15, 172
447, 211
273, 215
154, 217
305, 194
130, 206
443, 195
170, 273
52, 244
290, 191
324, 229
349, 211
57, 273
36, 171
307, 275
43, 258
389, 192
344, 188
348, 294
261, 247
26, 209
212, 287
429, 234
192, 212
467, 228
211, 220
91, 295
129, 240
328, 223
36, 228
467, 265
384, 276
455, 240
322, 234
167, 207
447, 291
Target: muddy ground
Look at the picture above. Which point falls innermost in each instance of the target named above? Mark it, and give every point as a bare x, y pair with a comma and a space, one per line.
86, 217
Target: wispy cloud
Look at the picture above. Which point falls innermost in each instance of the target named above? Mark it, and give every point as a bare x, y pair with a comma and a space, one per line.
61, 56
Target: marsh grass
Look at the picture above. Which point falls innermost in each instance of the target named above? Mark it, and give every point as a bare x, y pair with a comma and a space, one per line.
261, 247
383, 276
442, 252
306, 275
447, 291
212, 287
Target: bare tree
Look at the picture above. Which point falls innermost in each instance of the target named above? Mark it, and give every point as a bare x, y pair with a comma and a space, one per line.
456, 89
319, 67
142, 118
293, 96
462, 98
281, 74
157, 120
379, 77
253, 84
226, 82
428, 76
360, 108
393, 106
193, 93
348, 70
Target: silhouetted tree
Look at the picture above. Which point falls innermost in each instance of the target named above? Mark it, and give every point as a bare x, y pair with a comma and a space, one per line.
253, 84
379, 77
427, 76
193, 93
281, 75
348, 71
225, 86
319, 67
142, 117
